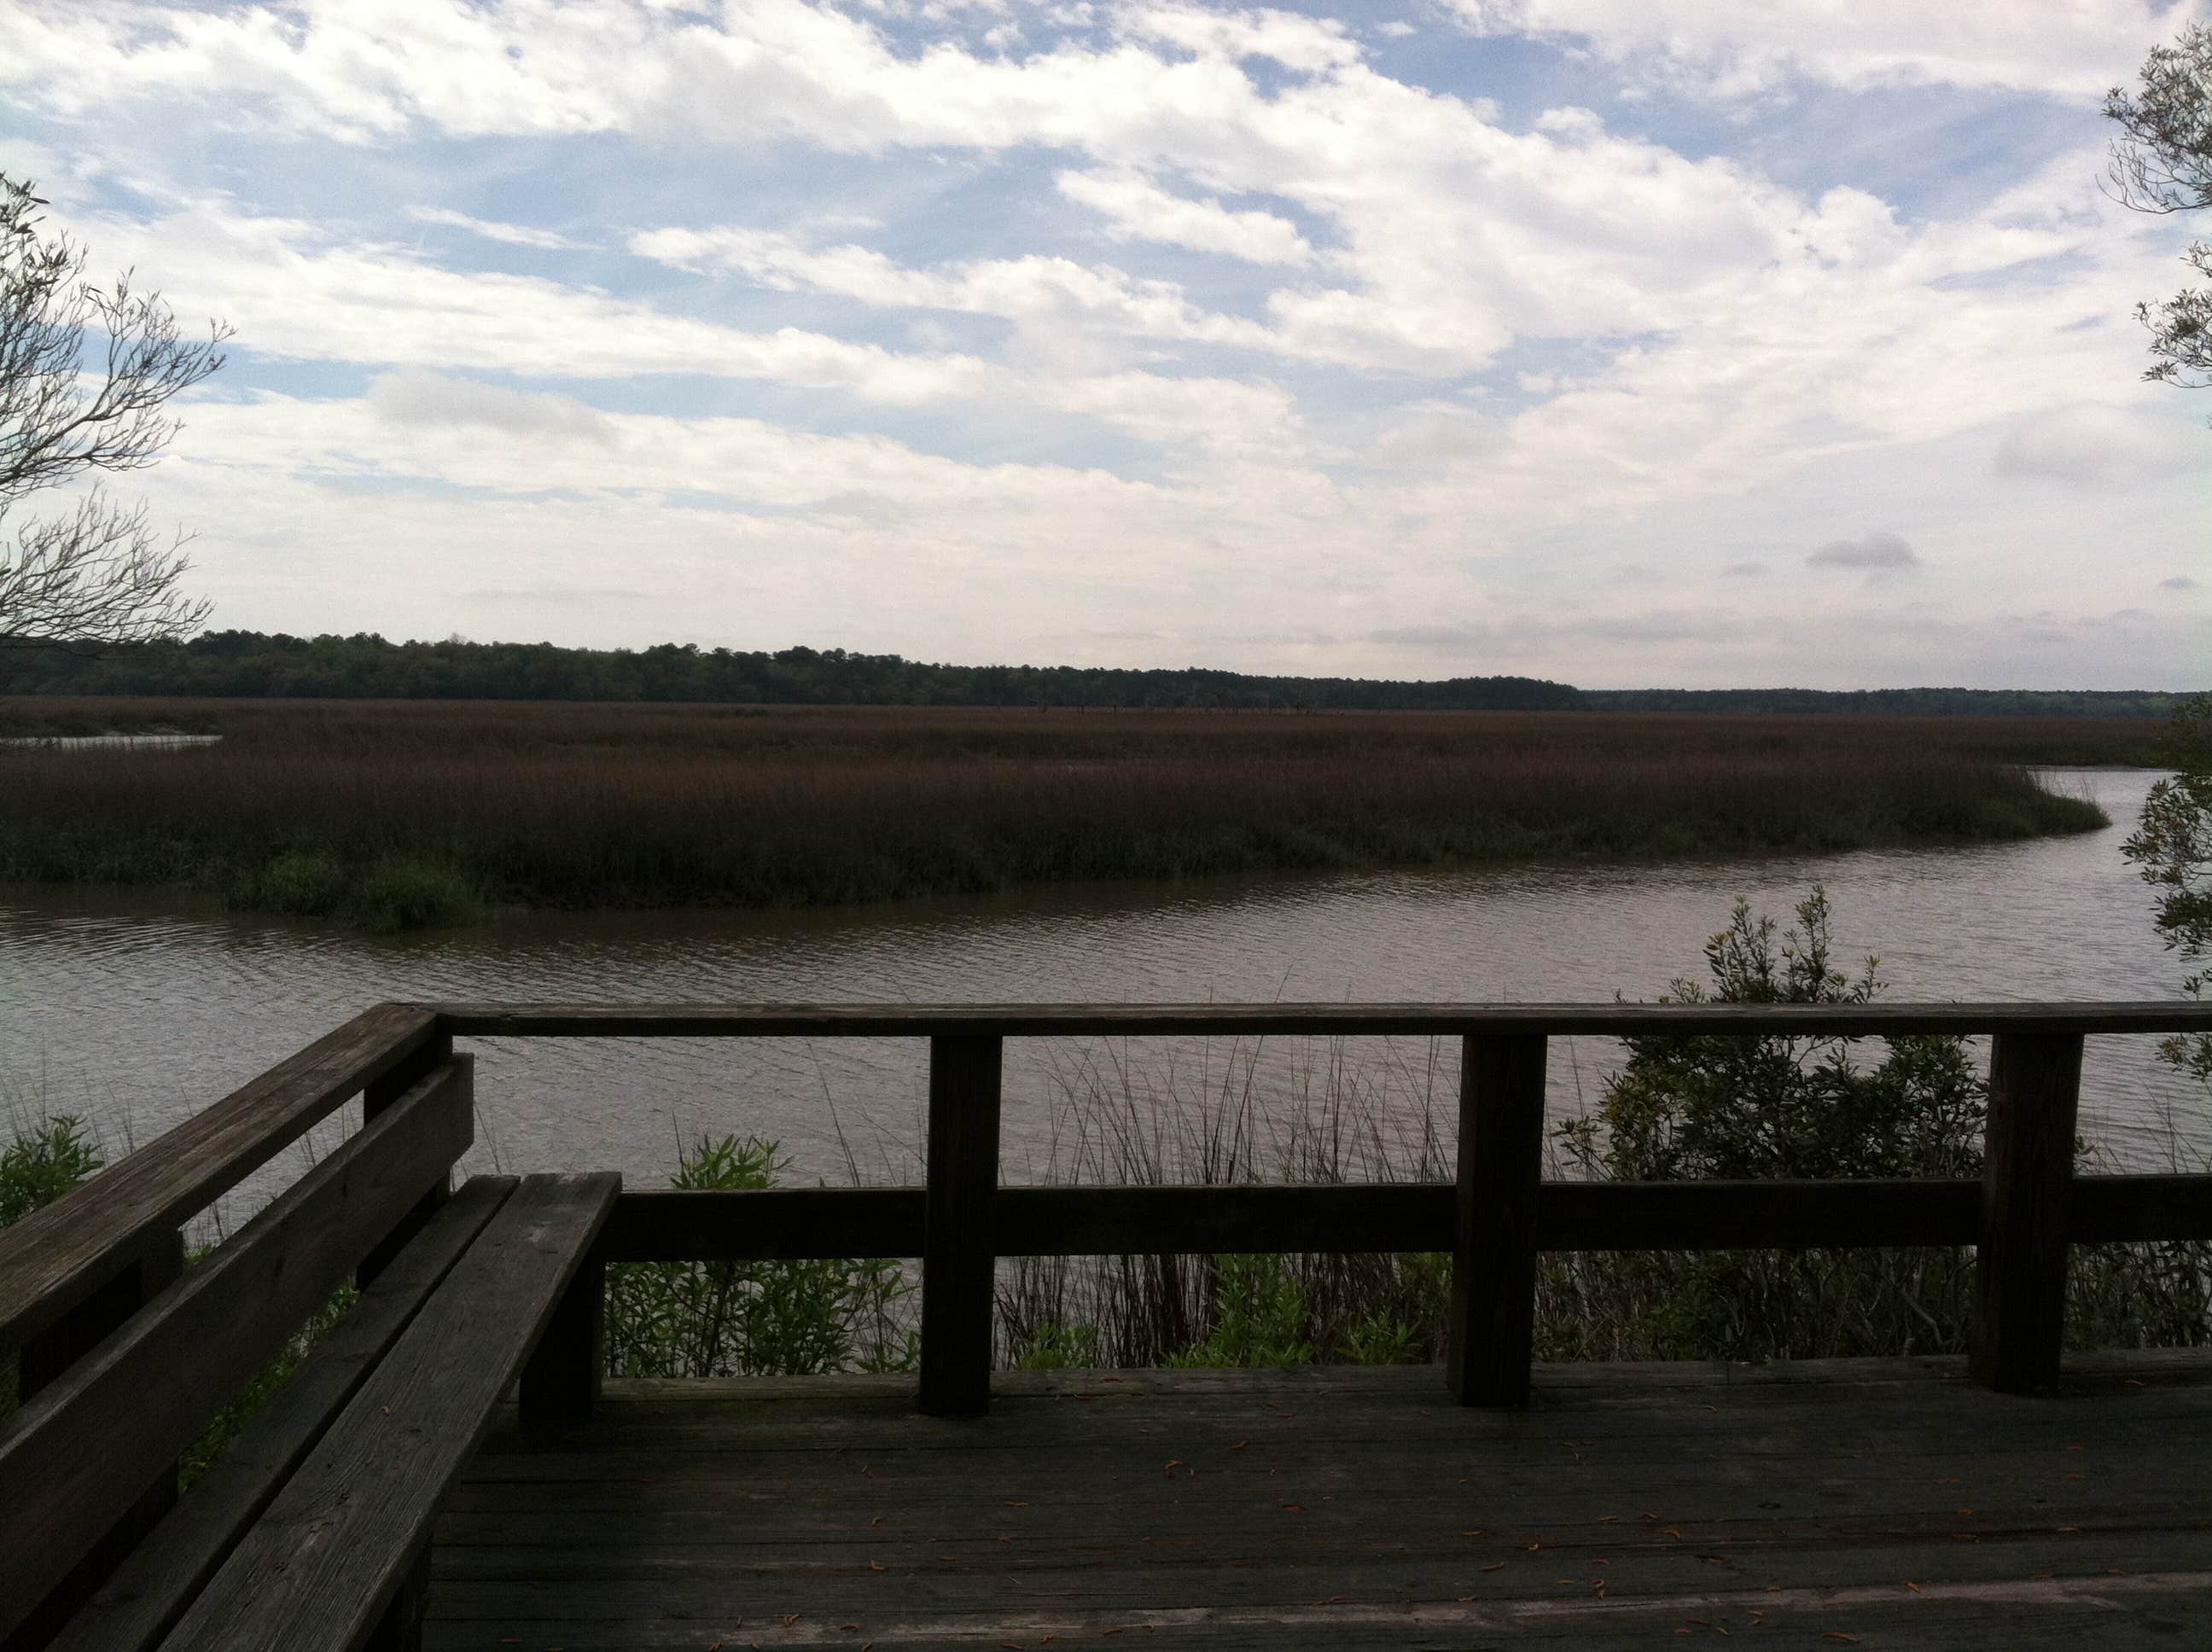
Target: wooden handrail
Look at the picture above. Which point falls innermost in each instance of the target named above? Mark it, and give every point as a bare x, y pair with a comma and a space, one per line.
55, 1258
1317, 1020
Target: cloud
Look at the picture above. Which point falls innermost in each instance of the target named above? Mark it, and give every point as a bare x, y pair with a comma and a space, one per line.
1745, 571
299, 290
2179, 582
492, 230
1878, 553
419, 396
1138, 208
2090, 445
1737, 48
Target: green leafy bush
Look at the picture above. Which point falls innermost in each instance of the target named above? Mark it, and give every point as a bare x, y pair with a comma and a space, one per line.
42, 1163
1772, 1108
748, 1319
394, 896
1261, 1316
299, 883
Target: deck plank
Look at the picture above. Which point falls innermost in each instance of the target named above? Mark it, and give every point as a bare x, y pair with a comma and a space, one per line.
1893, 1501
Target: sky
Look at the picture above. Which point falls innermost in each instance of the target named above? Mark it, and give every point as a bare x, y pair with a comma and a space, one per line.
1626, 343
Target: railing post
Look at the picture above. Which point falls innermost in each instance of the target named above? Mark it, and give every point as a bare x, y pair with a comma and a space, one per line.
2028, 1198
1501, 1165
958, 1260
434, 1053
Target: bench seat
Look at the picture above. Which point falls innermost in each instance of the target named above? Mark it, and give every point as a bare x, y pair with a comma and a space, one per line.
311, 1531
322, 1565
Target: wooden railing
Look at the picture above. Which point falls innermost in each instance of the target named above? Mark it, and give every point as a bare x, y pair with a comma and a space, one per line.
71, 1274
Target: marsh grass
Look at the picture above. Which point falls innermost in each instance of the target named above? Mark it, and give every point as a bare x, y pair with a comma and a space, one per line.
401, 814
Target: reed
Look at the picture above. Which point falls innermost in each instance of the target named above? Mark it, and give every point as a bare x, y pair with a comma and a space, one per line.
316, 806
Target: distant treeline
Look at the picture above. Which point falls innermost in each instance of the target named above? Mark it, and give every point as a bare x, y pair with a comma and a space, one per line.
252, 664
1891, 703
247, 665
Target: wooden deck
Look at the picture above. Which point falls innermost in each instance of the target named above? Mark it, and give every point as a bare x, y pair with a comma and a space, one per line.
1886, 1503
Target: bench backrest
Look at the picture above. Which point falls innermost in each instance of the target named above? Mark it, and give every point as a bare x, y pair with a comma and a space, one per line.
84, 1448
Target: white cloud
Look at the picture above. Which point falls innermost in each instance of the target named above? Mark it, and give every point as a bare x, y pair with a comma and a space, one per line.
295, 289
1310, 44
1738, 48
493, 230
417, 396
1136, 209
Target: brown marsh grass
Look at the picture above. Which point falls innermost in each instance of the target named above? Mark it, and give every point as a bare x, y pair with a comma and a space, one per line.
305, 804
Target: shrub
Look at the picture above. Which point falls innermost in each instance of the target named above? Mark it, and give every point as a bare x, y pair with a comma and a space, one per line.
1770, 1109
298, 883
42, 1164
395, 896
747, 1319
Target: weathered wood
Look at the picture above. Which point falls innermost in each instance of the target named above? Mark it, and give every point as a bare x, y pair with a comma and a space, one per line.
1338, 1507
46, 1360
1756, 1215
54, 1257
150, 1591
84, 1327
2027, 1176
1143, 1221
959, 1223
663, 1225
77, 1455
560, 1383
720, 1225
378, 1094
324, 1562
2110, 1209
1501, 1165
1319, 1020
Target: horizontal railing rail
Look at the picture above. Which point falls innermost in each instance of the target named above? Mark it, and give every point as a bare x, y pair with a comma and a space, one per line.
1310, 1020
809, 1224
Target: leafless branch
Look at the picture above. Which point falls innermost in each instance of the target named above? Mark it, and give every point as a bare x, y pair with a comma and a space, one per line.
96, 574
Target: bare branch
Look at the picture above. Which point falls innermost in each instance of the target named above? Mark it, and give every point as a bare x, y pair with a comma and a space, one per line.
2163, 163
95, 574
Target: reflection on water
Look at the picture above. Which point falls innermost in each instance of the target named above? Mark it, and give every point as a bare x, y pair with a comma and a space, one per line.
135, 1008
157, 742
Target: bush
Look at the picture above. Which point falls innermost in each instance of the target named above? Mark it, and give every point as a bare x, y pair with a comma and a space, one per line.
298, 884
749, 1319
1770, 1109
395, 896
39, 1167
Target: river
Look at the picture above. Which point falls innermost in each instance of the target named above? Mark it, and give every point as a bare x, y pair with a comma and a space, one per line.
135, 1007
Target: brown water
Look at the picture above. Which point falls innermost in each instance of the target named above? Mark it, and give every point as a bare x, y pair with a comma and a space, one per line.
134, 1007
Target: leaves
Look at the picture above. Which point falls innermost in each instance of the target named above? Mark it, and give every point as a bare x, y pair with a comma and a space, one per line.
746, 1319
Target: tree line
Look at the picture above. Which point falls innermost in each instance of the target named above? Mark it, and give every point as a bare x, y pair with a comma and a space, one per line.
253, 665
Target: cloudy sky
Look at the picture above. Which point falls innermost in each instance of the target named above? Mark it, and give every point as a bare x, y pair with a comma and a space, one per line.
1623, 342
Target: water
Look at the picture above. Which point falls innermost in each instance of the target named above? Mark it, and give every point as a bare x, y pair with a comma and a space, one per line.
135, 1008
155, 742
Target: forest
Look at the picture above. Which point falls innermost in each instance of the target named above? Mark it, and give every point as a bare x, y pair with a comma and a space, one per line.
253, 665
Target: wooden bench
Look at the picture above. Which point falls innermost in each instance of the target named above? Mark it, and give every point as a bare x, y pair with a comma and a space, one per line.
311, 1530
